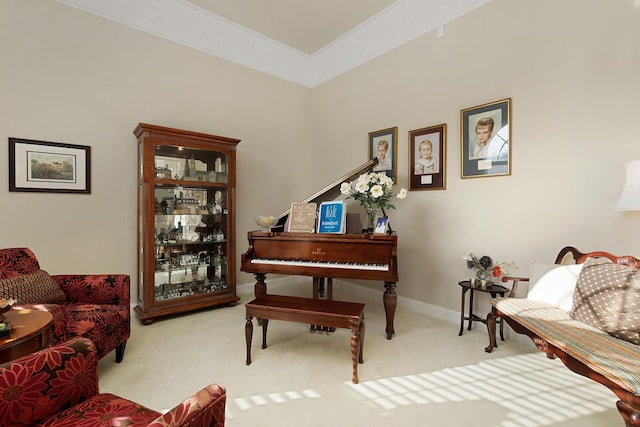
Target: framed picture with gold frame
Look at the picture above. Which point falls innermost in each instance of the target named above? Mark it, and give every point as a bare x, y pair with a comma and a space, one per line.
428, 158
383, 146
485, 132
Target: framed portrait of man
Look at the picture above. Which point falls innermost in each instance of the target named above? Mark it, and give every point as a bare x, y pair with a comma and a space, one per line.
383, 146
485, 132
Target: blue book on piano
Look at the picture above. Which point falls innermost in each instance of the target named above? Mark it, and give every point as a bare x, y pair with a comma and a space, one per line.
332, 217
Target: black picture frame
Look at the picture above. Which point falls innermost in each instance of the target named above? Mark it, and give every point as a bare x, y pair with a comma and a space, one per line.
49, 167
428, 174
486, 139
379, 138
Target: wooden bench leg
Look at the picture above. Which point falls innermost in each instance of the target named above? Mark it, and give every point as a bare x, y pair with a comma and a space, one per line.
265, 324
357, 339
248, 332
360, 359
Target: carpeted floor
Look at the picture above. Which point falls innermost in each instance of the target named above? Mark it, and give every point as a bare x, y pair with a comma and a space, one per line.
425, 376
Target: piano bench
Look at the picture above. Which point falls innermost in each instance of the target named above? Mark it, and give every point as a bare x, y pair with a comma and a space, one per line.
332, 313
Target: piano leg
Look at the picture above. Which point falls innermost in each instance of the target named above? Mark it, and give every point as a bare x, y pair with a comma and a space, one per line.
329, 298
321, 286
318, 282
260, 287
318, 287
390, 301
318, 292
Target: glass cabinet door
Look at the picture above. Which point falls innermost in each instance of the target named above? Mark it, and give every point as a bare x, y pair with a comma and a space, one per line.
190, 222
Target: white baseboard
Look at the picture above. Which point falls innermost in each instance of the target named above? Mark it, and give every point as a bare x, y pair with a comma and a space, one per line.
367, 293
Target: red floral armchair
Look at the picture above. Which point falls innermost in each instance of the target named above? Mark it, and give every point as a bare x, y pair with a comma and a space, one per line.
91, 306
58, 386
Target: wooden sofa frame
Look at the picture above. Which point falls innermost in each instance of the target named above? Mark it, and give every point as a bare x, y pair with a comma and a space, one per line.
610, 361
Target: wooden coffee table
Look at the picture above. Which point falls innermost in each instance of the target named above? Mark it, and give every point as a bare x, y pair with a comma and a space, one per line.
30, 331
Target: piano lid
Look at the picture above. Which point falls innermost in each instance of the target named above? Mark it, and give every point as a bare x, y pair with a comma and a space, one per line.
330, 192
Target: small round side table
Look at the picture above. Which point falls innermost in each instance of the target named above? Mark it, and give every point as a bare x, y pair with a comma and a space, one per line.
30, 331
494, 290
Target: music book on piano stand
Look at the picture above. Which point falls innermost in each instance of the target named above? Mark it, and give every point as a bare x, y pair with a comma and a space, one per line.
302, 218
332, 217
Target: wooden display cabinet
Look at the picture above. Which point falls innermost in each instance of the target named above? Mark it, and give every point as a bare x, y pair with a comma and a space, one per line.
186, 221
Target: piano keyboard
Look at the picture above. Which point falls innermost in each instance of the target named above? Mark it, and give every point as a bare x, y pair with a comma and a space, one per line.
322, 264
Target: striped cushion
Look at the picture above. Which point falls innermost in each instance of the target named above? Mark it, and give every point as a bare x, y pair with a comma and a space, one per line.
616, 359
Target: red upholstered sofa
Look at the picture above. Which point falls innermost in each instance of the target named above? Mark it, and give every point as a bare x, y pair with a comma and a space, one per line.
58, 386
91, 306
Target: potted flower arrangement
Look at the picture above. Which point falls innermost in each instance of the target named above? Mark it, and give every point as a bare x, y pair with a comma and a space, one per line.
485, 269
373, 191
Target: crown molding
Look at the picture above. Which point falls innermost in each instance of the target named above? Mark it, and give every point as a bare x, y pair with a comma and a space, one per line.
184, 23
396, 25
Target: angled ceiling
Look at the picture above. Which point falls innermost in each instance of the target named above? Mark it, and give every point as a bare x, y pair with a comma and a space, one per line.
306, 42
305, 25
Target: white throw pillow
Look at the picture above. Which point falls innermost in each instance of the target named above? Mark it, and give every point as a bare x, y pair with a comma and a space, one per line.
553, 283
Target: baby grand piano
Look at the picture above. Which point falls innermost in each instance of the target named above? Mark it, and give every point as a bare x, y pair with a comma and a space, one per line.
348, 256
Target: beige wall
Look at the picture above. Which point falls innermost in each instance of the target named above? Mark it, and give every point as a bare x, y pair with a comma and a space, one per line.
69, 76
569, 67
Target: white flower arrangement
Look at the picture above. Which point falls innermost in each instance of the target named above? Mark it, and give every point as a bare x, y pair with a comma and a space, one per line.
373, 191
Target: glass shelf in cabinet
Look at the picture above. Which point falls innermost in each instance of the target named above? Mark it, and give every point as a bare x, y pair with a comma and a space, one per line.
182, 268
167, 183
189, 243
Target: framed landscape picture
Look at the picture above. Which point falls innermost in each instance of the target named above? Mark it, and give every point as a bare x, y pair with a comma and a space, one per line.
486, 139
383, 146
51, 167
427, 158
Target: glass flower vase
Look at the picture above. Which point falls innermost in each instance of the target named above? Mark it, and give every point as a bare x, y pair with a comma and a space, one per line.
371, 219
482, 280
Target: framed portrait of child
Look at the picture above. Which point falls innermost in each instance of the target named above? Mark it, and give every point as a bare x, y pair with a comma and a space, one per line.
384, 148
486, 139
427, 158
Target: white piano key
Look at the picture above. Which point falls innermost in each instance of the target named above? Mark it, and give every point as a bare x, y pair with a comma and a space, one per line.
322, 264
